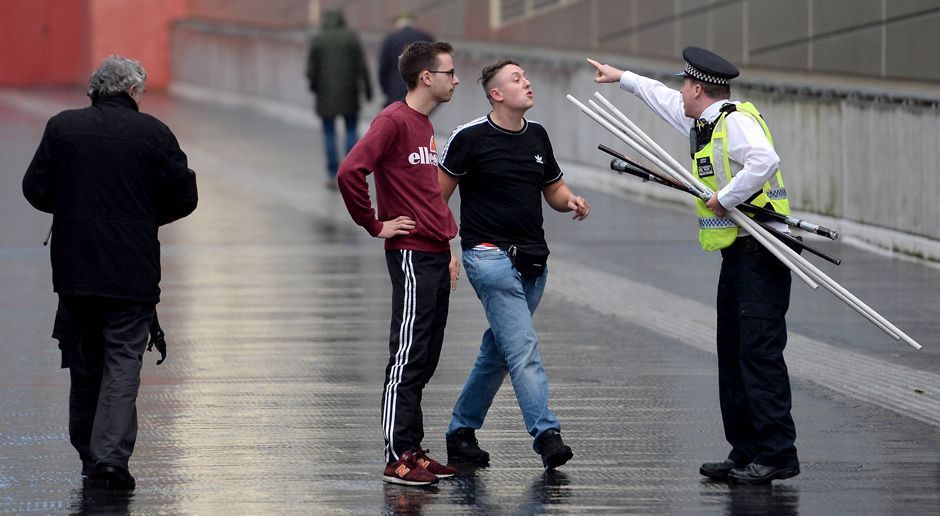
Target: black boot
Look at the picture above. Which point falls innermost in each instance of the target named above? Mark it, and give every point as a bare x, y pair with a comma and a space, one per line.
112, 477
462, 446
755, 473
717, 470
554, 452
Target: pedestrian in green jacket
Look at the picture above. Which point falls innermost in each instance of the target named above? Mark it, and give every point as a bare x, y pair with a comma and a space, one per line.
337, 72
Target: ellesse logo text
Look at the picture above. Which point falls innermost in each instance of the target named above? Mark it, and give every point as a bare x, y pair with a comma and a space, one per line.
424, 156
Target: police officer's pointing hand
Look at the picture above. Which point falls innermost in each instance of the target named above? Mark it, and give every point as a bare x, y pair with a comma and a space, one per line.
605, 72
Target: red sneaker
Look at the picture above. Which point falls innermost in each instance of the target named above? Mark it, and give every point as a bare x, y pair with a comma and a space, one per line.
407, 471
439, 470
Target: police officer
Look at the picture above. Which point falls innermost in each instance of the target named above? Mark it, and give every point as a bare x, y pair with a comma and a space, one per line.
733, 153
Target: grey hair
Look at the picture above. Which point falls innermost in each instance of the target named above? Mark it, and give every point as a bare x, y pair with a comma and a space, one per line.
115, 76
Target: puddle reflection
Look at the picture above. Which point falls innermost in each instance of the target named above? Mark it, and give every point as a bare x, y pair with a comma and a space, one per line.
778, 500
92, 499
408, 500
469, 487
547, 492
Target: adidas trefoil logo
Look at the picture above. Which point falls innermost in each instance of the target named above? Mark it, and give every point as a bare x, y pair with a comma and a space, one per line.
538, 159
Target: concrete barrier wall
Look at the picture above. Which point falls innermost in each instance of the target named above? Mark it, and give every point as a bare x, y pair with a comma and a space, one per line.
862, 161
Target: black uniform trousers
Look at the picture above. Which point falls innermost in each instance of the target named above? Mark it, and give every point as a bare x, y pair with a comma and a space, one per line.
754, 387
103, 341
420, 295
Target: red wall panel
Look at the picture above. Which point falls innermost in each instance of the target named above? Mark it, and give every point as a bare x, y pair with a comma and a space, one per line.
43, 42
59, 42
138, 29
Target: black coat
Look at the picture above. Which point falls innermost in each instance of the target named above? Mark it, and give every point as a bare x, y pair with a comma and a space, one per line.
110, 176
393, 45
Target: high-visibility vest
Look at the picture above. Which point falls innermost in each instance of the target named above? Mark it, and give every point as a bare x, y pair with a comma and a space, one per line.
712, 166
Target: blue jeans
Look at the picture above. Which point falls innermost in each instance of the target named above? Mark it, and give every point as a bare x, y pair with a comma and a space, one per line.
510, 344
329, 139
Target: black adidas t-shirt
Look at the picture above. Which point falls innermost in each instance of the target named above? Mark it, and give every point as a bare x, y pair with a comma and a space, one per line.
502, 174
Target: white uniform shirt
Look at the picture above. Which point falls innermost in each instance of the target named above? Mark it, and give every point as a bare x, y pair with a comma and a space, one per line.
753, 159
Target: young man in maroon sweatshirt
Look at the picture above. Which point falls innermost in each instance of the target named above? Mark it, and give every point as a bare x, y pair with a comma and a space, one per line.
417, 226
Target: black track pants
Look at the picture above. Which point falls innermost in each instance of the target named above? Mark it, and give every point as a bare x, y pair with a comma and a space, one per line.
420, 293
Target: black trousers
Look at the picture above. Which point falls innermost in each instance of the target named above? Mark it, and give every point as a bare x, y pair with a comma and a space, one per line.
103, 342
420, 295
754, 387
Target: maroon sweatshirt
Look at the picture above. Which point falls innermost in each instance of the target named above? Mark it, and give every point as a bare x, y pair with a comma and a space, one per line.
399, 148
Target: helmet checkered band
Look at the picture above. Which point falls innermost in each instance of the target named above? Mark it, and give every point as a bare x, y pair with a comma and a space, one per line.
702, 76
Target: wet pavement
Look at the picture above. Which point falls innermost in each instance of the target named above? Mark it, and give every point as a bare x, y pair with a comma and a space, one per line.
276, 310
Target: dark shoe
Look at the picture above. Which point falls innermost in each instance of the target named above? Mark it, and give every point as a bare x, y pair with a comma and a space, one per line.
462, 446
406, 471
554, 452
717, 470
112, 477
755, 473
439, 470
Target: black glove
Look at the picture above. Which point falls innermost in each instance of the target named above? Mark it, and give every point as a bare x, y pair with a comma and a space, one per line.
157, 338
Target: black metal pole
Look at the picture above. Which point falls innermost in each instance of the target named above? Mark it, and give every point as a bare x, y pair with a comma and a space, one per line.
750, 208
48, 236
792, 241
623, 166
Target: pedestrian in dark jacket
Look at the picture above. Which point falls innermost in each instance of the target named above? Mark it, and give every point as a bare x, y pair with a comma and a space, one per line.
110, 176
336, 69
395, 42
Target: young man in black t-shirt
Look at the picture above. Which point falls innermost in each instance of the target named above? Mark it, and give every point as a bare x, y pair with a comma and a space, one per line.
504, 165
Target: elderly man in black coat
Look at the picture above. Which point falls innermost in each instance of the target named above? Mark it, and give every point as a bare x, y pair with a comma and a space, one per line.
110, 176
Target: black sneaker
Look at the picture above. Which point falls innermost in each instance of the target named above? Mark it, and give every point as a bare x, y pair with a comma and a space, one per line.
462, 446
554, 452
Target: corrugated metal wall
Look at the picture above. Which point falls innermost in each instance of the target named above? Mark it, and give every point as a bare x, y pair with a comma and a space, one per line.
867, 161
873, 38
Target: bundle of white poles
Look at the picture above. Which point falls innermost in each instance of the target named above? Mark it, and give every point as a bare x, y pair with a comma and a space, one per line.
623, 128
